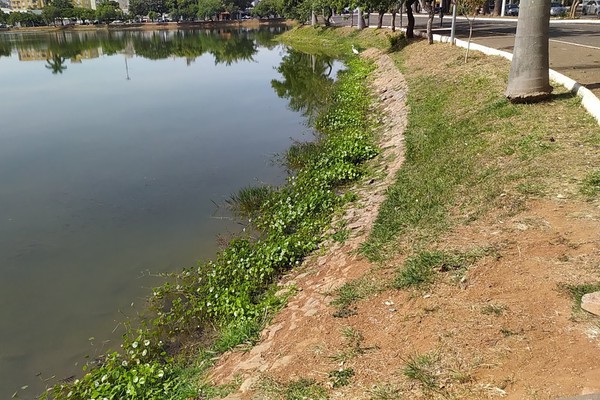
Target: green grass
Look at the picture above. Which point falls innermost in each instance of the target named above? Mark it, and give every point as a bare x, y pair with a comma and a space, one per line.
591, 184
248, 201
341, 377
578, 291
353, 346
355, 290
423, 368
385, 392
420, 270
493, 309
301, 389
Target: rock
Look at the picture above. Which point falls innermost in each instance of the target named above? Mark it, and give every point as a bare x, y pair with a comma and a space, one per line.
591, 303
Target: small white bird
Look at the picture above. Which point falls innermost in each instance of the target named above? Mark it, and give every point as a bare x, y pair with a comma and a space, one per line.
354, 50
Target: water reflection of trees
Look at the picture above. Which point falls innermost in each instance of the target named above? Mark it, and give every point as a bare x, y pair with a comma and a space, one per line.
227, 46
306, 82
56, 64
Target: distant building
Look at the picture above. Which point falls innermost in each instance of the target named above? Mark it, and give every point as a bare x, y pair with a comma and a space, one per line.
89, 4
33, 54
123, 4
27, 4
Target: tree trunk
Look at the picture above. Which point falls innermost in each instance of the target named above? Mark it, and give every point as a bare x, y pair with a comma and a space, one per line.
361, 21
497, 7
313, 18
327, 14
428, 6
573, 9
410, 28
394, 21
485, 9
430, 26
380, 20
529, 78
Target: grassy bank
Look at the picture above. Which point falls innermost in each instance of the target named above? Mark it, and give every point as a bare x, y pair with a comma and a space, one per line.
472, 159
208, 309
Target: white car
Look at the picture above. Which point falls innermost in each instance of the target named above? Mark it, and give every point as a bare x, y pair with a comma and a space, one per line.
591, 7
557, 9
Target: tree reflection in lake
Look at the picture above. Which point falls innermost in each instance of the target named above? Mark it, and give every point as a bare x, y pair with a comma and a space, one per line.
227, 46
307, 80
55, 64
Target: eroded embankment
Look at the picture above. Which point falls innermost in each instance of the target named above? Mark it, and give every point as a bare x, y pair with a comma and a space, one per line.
473, 295
287, 346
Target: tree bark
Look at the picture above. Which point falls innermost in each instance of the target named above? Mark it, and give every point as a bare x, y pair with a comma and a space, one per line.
380, 21
529, 79
497, 7
428, 6
573, 9
394, 21
313, 18
410, 28
361, 20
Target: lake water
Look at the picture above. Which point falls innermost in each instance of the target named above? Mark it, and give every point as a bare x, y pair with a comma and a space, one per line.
117, 152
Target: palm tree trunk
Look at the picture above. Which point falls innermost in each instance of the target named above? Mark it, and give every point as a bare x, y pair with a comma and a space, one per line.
529, 79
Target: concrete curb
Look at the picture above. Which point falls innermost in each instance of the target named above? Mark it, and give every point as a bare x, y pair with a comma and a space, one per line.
589, 101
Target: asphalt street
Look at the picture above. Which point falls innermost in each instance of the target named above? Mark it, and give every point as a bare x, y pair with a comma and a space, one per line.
574, 46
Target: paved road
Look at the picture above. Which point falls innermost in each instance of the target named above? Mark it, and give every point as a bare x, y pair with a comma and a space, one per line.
574, 47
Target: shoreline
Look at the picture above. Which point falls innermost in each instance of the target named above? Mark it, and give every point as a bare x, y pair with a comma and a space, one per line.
152, 26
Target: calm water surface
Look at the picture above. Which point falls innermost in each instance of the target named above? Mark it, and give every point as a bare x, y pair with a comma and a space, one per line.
115, 150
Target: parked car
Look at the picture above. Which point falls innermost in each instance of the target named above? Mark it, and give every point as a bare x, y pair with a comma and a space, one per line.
512, 10
557, 9
591, 7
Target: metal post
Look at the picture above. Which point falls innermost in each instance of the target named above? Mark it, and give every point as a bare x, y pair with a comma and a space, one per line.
452, 30
503, 8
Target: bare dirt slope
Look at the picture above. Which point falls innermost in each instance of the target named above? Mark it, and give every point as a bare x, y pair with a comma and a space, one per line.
503, 328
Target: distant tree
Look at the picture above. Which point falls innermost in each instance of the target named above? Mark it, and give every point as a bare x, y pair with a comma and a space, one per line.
469, 9
25, 19
138, 7
235, 6
153, 15
3, 17
158, 6
183, 9
394, 8
207, 9
108, 11
50, 14
84, 13
382, 6
268, 8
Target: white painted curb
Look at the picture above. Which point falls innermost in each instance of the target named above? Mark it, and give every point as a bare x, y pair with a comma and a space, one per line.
589, 101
